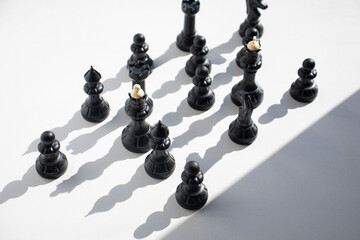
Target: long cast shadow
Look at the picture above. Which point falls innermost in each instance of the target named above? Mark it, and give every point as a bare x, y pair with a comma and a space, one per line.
18, 188
204, 126
226, 77
173, 86
92, 170
227, 47
183, 110
88, 140
280, 110
158, 221
216, 153
123, 192
77, 122
171, 53
309, 189
112, 84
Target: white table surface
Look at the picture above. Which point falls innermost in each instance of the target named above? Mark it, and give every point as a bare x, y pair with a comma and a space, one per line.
298, 180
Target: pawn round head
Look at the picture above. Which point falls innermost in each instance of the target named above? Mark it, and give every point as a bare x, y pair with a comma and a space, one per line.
254, 44
139, 38
47, 137
251, 32
192, 168
137, 92
199, 41
202, 72
309, 64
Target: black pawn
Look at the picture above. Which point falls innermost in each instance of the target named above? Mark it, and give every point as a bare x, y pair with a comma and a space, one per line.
304, 89
140, 65
249, 35
199, 51
95, 109
185, 39
201, 97
159, 163
136, 135
253, 17
243, 130
250, 63
191, 194
51, 163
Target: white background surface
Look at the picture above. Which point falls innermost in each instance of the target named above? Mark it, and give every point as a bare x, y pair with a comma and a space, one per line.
298, 180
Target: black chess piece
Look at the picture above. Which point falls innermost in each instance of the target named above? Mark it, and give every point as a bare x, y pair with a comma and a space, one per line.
51, 163
186, 38
95, 109
140, 65
136, 135
191, 194
199, 51
243, 130
249, 35
250, 63
201, 97
253, 17
304, 89
137, 90
159, 163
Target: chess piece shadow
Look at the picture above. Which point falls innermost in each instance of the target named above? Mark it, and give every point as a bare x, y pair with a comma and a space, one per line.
18, 188
171, 53
77, 122
160, 220
280, 110
123, 192
86, 141
93, 170
112, 84
183, 110
203, 126
172, 86
215, 153
228, 47
226, 77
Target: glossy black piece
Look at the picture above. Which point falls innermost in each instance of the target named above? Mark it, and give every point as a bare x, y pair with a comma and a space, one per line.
185, 39
249, 34
201, 97
253, 17
136, 135
159, 163
243, 130
304, 89
199, 51
250, 63
191, 194
95, 109
51, 163
140, 65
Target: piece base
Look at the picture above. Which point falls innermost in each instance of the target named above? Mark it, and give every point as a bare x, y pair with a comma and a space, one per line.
95, 114
191, 202
305, 95
242, 135
184, 42
159, 169
136, 144
201, 103
55, 171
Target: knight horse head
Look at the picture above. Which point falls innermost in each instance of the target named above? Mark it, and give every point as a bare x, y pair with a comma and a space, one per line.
252, 8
